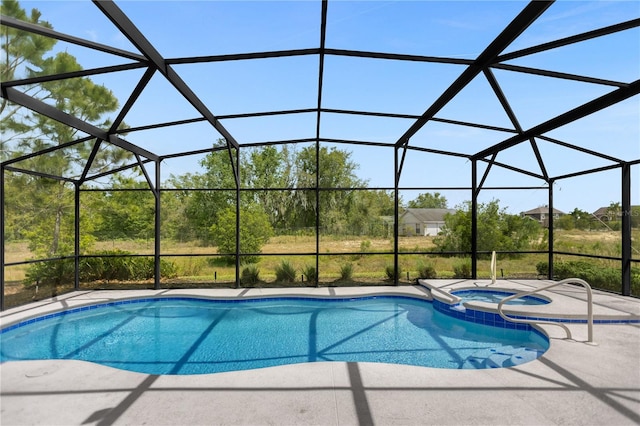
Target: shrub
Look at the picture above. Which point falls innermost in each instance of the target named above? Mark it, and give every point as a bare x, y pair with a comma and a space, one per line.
255, 231
598, 276
497, 230
285, 273
426, 271
365, 247
462, 270
542, 268
53, 272
309, 271
391, 273
250, 274
346, 272
109, 265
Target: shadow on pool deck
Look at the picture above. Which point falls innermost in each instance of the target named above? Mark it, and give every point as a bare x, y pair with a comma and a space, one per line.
572, 383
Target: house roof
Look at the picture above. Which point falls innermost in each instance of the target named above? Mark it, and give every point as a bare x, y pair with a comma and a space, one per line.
428, 215
602, 211
541, 210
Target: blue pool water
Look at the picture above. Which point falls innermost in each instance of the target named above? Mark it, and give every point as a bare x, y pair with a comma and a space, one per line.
194, 336
495, 296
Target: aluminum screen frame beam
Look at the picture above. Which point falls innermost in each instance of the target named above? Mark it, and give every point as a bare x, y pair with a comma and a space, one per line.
570, 40
526, 17
47, 110
129, 30
74, 74
577, 113
48, 32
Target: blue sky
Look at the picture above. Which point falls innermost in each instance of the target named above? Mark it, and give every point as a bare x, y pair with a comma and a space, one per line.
449, 29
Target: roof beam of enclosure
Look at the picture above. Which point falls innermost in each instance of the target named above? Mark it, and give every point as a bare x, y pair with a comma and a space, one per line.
512, 168
117, 170
48, 32
243, 56
582, 111
47, 150
556, 74
39, 174
144, 80
415, 117
439, 152
570, 40
74, 74
323, 33
520, 23
120, 118
316, 51
580, 149
588, 171
514, 120
398, 57
47, 110
129, 30
92, 156
313, 110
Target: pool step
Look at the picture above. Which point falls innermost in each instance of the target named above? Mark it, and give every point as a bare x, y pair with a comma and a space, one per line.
504, 356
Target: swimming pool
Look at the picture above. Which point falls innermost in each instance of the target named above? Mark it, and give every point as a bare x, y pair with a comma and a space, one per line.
197, 336
495, 296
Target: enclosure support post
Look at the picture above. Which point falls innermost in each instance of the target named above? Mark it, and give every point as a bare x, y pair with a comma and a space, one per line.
626, 229
156, 239
396, 215
323, 34
76, 237
317, 185
550, 236
2, 240
474, 219
237, 159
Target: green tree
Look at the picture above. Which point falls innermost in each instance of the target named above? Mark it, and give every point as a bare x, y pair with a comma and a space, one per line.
28, 132
582, 219
497, 230
216, 190
428, 201
271, 168
20, 51
336, 170
366, 211
126, 212
567, 222
255, 231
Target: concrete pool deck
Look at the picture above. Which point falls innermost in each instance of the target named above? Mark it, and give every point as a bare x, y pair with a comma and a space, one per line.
572, 383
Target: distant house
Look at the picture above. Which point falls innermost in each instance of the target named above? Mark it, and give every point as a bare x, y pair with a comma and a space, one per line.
541, 215
606, 215
423, 222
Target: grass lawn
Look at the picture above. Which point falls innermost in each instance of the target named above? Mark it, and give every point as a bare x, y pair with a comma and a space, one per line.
201, 267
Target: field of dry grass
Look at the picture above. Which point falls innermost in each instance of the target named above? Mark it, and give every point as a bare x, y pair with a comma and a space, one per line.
204, 267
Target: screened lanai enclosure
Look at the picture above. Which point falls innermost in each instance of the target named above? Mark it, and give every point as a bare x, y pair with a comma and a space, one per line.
317, 143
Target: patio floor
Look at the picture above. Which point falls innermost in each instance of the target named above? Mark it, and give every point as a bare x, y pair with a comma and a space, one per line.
572, 383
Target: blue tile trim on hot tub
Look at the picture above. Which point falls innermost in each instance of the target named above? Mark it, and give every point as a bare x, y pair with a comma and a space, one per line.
481, 317
494, 319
